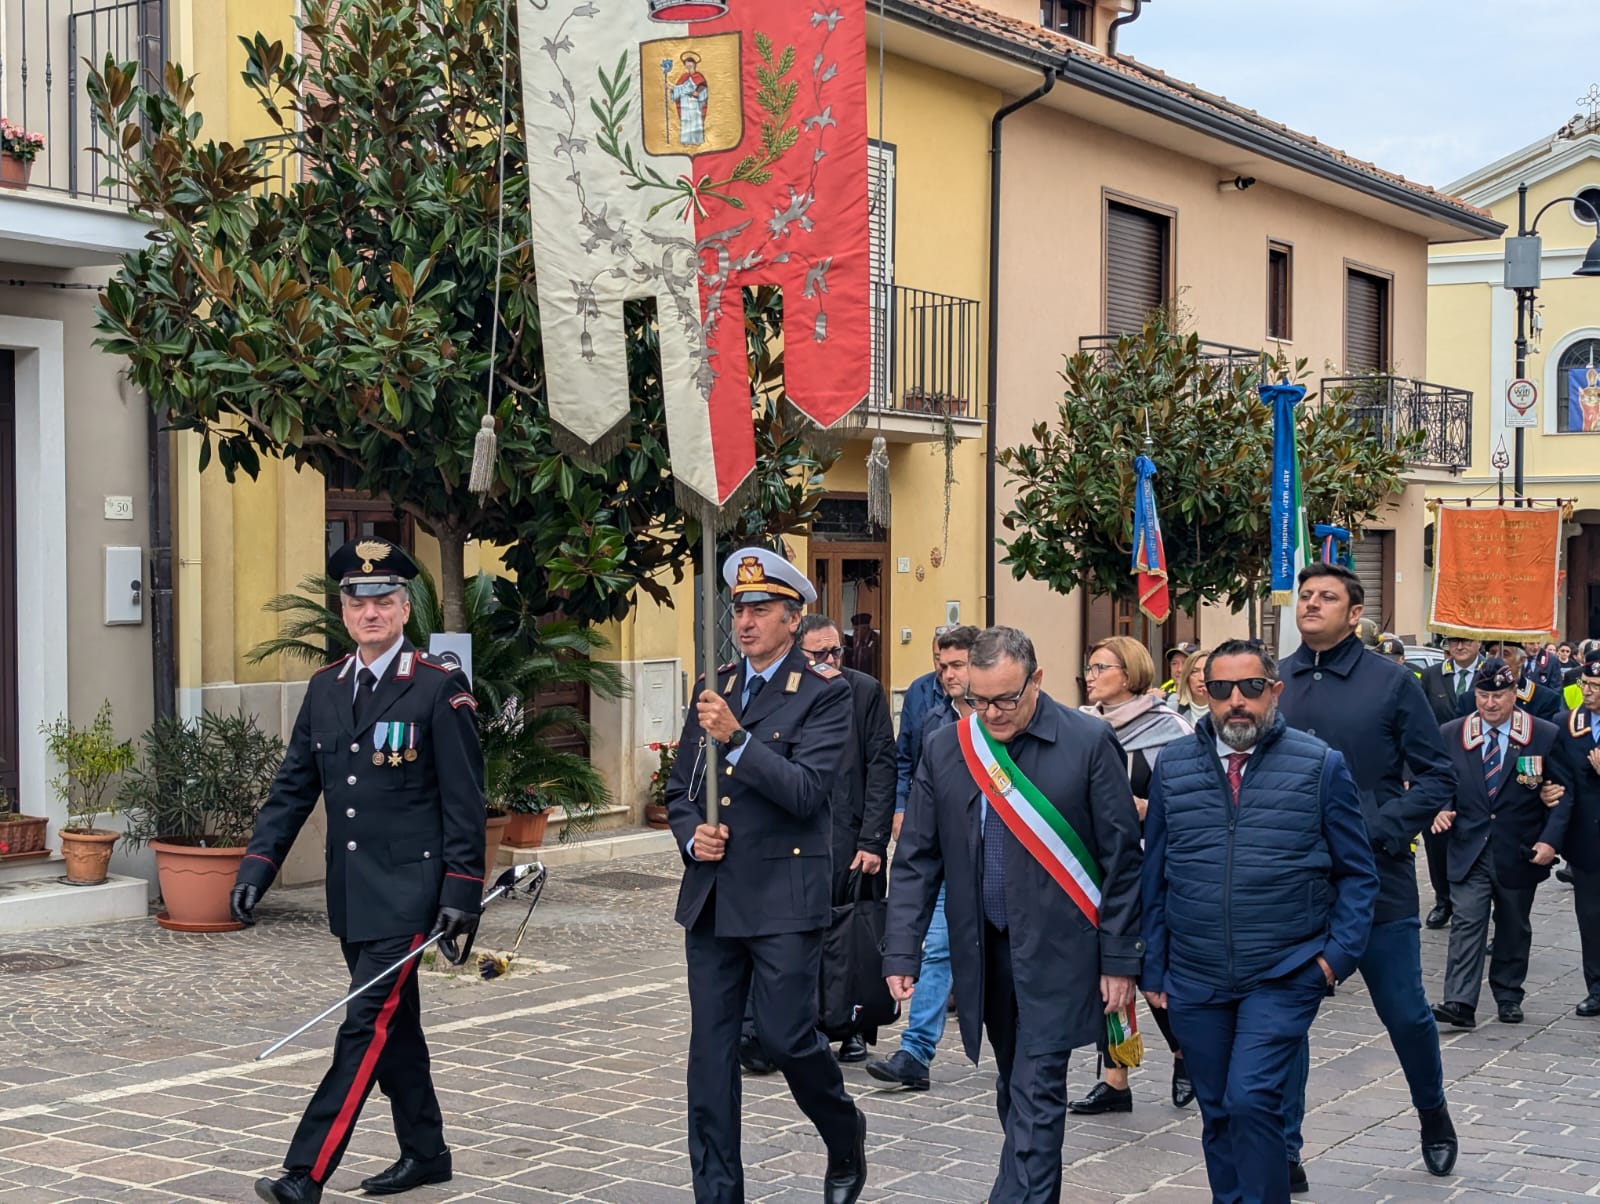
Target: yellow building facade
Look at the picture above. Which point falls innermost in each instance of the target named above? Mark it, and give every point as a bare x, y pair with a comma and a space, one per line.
1472, 328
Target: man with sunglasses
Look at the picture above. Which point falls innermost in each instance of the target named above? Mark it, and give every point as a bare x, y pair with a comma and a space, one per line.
1374, 713
1259, 885
1024, 814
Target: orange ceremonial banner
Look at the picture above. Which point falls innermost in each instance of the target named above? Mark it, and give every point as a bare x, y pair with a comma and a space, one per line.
1496, 572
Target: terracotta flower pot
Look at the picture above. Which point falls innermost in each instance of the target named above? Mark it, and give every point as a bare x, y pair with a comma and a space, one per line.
88, 855
195, 883
494, 831
526, 830
655, 815
14, 172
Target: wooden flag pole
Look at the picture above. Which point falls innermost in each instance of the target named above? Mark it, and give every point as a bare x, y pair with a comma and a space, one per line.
708, 633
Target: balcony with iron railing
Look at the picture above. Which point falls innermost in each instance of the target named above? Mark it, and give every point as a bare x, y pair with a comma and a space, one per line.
927, 377
67, 215
1398, 406
1224, 355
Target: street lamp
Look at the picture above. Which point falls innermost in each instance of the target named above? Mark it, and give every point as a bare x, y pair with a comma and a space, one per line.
1523, 276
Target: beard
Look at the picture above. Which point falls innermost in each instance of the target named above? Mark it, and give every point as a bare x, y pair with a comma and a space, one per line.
1242, 731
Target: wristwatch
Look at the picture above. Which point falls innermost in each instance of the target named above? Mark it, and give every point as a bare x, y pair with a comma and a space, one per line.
738, 738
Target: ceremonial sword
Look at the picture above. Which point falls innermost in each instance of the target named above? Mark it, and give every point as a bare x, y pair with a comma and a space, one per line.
529, 879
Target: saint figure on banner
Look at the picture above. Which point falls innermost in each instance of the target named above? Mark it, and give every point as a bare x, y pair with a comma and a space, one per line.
691, 93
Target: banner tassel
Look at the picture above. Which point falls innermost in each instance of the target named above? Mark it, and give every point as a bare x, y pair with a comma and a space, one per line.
878, 499
484, 446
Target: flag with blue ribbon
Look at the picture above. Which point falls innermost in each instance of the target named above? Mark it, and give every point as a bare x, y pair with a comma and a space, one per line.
1289, 530
1149, 557
1335, 543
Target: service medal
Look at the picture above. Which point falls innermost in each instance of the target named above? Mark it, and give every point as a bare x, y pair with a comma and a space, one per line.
397, 733
377, 758
1530, 771
411, 742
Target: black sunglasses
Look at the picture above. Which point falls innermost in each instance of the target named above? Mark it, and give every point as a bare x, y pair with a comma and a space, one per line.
1250, 687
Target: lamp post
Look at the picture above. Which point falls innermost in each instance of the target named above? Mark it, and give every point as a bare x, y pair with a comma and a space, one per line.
1523, 277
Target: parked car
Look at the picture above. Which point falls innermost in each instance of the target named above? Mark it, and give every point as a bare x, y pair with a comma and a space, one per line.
1421, 656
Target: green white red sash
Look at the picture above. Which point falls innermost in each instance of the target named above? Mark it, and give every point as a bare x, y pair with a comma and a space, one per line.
1032, 818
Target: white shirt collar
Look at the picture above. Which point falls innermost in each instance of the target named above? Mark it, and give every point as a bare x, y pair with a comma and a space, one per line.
380, 666
1225, 750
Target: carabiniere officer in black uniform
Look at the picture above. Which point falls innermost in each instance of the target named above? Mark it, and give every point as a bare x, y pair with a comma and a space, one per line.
389, 737
758, 887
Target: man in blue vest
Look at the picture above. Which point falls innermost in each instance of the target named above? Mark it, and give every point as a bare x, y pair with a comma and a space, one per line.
1259, 885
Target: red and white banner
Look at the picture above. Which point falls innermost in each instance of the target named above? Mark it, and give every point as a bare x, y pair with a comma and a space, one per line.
682, 150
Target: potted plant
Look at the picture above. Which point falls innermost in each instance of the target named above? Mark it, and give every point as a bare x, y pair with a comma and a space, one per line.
193, 797
655, 811
21, 836
90, 758
18, 149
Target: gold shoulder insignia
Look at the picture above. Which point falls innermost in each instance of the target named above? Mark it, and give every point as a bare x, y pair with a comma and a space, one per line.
1525, 690
792, 683
825, 671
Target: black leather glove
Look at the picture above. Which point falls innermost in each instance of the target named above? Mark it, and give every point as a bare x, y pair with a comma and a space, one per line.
451, 926
242, 902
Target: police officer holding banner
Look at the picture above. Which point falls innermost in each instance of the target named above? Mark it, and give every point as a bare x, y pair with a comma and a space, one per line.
389, 737
757, 887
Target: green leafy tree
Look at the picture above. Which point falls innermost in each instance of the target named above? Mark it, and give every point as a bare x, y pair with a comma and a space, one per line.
343, 319
1212, 445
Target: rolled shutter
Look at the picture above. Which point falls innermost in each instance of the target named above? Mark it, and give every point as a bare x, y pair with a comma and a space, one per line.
1366, 323
1136, 266
1368, 555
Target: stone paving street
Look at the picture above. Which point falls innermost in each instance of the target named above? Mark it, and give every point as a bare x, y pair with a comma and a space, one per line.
128, 1075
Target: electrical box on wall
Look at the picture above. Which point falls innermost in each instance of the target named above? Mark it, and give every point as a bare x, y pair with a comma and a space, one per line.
124, 586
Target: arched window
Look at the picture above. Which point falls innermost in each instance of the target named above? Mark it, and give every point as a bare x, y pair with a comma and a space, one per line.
1577, 391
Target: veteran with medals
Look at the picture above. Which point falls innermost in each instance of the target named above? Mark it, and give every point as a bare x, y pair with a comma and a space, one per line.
388, 736
1507, 824
1023, 812
757, 888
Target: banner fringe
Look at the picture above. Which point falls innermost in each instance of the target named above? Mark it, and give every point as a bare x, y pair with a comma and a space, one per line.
1282, 597
728, 514
601, 450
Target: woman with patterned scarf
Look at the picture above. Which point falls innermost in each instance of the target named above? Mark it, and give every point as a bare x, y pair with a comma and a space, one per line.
1119, 678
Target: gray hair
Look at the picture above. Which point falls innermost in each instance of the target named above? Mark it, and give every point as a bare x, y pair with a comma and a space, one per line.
1007, 642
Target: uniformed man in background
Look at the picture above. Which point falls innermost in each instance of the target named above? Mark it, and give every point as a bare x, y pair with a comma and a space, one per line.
1579, 747
757, 887
389, 737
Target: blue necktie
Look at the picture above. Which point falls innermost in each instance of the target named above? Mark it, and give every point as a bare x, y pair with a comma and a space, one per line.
1492, 763
753, 688
994, 869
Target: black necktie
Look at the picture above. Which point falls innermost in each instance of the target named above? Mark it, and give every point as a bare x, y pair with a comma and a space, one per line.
994, 870
366, 680
753, 688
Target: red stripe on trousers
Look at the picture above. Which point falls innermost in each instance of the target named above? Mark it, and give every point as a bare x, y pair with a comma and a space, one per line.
369, 1064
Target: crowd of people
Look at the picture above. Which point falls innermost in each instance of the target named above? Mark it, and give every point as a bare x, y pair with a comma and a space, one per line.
1230, 843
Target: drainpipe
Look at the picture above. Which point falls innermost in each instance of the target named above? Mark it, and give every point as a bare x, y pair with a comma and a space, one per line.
163, 649
1124, 19
989, 532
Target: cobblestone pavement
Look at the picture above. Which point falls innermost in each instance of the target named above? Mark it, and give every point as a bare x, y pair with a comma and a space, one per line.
128, 1075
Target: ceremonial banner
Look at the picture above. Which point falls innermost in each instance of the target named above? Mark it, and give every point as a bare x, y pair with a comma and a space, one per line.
1583, 399
1288, 512
1149, 556
680, 150
1495, 572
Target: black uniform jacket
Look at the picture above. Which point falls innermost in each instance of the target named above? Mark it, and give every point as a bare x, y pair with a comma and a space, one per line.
1539, 700
776, 874
863, 795
403, 839
1510, 824
1439, 686
1582, 845
1057, 955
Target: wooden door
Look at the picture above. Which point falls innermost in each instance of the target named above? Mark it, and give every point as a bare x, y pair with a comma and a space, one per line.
853, 579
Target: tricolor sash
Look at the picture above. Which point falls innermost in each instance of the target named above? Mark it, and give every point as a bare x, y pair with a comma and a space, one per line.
1032, 818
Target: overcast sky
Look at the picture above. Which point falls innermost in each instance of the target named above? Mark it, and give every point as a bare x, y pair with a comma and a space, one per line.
1432, 89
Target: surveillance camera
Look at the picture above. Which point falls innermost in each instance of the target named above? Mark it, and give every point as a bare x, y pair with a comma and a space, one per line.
1237, 184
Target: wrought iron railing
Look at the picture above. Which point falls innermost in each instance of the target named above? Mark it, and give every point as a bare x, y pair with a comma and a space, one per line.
924, 352
1225, 355
1398, 406
44, 48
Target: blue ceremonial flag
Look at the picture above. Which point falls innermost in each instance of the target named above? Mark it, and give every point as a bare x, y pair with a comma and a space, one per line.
1289, 534
1149, 556
1335, 543
1583, 399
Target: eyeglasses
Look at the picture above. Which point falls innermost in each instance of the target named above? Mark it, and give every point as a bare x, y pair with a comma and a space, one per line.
826, 654
1250, 687
1094, 670
1003, 705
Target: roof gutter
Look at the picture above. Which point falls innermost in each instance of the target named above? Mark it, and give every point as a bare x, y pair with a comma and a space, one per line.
1124, 19
989, 489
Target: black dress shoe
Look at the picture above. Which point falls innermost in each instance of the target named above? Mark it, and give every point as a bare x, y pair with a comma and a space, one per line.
1510, 1013
1182, 1088
407, 1173
296, 1187
853, 1049
902, 1068
1564, 873
1439, 916
753, 1058
1104, 1098
1439, 1147
847, 1172
1589, 1007
1458, 1015
1297, 1176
